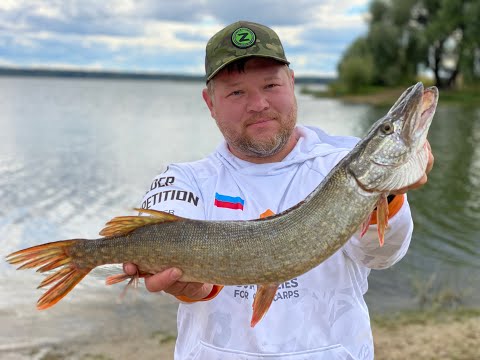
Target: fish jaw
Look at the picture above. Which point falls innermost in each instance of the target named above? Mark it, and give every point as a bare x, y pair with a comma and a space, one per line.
394, 154
415, 131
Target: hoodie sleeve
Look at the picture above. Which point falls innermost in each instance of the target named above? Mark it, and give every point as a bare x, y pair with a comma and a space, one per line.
175, 191
367, 250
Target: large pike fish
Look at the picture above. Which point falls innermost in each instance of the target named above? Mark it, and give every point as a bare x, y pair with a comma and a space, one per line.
392, 155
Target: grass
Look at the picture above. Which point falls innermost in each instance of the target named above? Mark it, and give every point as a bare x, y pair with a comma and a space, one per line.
397, 320
96, 357
469, 96
386, 96
162, 337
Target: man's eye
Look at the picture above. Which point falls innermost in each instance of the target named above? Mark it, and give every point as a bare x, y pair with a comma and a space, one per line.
236, 93
269, 86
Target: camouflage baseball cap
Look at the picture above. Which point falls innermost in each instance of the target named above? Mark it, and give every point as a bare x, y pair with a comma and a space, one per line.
240, 40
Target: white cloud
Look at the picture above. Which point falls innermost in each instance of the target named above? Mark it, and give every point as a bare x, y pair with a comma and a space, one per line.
290, 35
7, 62
311, 65
83, 32
9, 5
47, 11
165, 34
333, 14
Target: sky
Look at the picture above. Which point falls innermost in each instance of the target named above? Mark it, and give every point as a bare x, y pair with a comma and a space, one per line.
169, 36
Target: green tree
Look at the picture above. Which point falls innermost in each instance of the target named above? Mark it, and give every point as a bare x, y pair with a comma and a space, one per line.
356, 69
441, 35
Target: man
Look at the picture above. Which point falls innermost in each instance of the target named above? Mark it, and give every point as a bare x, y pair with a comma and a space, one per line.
266, 165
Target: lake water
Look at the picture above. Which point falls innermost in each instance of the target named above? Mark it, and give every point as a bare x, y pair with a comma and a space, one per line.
76, 152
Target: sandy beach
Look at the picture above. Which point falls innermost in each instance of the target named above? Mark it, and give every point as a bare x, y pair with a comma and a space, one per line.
447, 336
444, 335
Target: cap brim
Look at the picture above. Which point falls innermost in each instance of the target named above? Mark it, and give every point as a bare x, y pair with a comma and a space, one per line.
279, 59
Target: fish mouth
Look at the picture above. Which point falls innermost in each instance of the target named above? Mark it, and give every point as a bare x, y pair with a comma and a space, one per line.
415, 107
429, 104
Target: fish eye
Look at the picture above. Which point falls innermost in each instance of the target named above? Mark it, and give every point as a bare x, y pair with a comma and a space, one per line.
387, 128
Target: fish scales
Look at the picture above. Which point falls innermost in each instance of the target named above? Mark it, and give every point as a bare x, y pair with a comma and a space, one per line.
274, 249
266, 251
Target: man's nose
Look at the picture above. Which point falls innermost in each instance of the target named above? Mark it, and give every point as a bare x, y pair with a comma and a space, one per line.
257, 101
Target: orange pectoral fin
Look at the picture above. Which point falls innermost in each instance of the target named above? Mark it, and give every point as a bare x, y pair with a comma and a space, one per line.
382, 218
365, 225
263, 300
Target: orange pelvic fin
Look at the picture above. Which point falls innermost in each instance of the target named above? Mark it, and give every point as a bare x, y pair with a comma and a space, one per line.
133, 282
123, 225
263, 300
382, 217
51, 256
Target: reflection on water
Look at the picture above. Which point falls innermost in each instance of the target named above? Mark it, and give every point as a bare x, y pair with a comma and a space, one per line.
446, 238
452, 216
74, 153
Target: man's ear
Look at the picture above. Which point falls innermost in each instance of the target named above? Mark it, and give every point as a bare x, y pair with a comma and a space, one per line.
208, 100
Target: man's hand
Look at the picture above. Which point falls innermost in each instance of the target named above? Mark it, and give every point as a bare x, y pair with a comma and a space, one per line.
167, 281
424, 178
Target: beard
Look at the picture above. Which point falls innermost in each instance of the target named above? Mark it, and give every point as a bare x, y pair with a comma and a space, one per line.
262, 147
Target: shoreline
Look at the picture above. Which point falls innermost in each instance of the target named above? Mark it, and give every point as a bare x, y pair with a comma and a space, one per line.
446, 334
469, 96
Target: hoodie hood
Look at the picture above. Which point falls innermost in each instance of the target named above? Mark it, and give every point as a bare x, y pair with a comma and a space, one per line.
312, 143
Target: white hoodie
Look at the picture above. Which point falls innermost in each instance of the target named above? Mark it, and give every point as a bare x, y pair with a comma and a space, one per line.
319, 315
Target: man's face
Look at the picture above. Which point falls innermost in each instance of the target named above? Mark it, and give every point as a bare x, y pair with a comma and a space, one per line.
255, 110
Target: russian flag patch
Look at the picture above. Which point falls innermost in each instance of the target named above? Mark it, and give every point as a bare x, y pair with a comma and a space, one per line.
229, 202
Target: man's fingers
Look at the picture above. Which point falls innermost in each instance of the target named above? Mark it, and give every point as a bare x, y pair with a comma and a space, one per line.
431, 159
422, 181
168, 281
162, 280
194, 291
130, 269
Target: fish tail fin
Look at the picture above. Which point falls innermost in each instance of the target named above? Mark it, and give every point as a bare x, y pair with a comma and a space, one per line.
48, 257
263, 300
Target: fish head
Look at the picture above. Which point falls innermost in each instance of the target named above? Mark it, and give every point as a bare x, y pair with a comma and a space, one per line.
394, 154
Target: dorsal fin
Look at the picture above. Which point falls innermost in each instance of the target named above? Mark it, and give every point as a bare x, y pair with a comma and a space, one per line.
122, 225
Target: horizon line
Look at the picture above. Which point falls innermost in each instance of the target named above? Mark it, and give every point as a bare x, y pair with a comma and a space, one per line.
122, 74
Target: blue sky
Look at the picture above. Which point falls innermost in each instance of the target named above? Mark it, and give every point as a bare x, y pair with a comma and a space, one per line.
169, 36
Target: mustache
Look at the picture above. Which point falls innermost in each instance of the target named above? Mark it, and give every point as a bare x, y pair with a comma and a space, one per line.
271, 115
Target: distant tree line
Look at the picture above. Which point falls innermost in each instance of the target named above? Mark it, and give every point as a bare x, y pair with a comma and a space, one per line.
408, 37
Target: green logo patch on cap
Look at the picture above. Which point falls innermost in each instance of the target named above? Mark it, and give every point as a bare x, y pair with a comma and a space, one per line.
241, 40
243, 37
